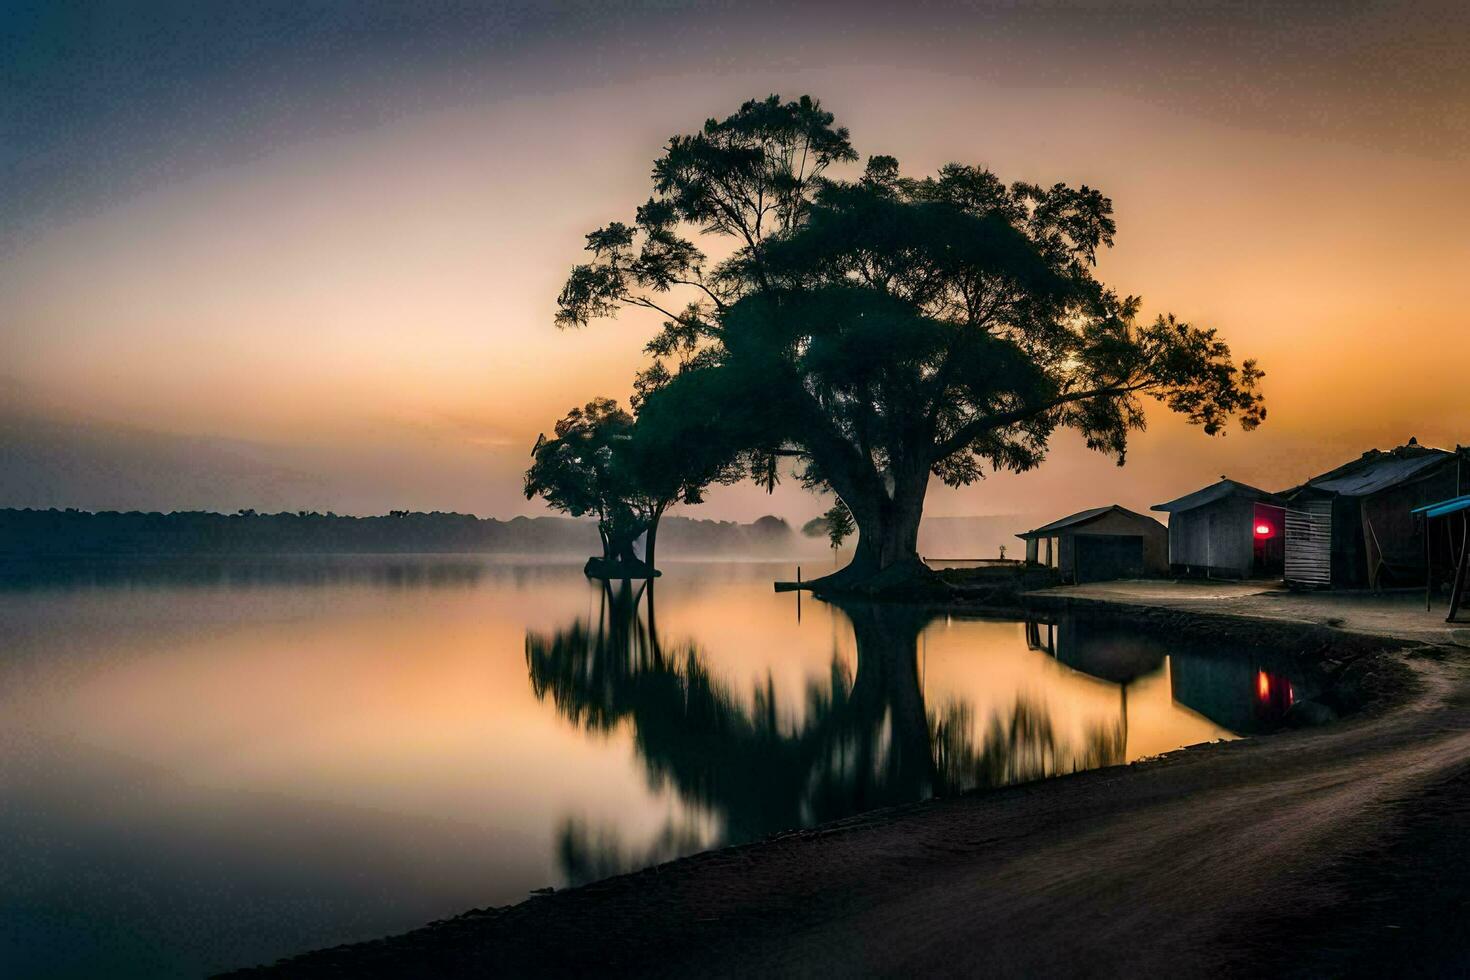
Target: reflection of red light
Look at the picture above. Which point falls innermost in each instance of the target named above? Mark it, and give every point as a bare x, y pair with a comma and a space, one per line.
1263, 530
1263, 685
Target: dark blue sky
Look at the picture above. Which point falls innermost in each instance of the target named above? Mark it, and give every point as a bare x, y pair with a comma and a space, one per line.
102, 99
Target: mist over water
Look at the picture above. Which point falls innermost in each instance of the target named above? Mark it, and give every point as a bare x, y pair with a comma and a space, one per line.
208, 764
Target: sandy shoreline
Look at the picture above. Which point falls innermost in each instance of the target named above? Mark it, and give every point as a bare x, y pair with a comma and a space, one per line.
1331, 850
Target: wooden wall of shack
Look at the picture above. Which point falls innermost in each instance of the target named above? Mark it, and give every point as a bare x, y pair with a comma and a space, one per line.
1393, 540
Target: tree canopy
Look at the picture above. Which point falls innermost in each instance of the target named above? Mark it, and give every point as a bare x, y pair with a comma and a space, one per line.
886, 329
627, 471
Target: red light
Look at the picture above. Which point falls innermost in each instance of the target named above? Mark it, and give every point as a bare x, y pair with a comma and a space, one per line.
1263, 530
1263, 685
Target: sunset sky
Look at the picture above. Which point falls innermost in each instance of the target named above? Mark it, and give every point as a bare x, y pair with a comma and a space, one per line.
254, 255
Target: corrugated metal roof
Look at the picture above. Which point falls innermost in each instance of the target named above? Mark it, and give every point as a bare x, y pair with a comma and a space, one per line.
1377, 471
1219, 491
1082, 517
1452, 506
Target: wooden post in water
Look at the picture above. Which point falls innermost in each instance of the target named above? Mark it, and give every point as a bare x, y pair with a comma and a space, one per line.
798, 594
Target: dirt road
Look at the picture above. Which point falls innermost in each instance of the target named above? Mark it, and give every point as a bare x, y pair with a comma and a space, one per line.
1336, 850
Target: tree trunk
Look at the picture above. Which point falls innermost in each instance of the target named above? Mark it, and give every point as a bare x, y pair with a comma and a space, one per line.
887, 552
625, 552
619, 560
651, 542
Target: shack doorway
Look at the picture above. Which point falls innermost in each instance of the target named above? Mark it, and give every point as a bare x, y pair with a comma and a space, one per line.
1103, 557
1268, 541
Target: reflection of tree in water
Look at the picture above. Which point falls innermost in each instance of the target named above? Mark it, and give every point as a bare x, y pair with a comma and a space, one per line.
589, 853
1021, 747
864, 741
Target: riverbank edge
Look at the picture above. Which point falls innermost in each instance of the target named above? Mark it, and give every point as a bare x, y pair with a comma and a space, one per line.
1366, 673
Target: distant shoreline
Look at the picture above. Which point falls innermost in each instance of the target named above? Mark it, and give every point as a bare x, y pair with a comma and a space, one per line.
76, 534
31, 533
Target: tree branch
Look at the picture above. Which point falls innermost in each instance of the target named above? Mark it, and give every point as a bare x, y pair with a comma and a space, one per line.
967, 433
707, 291
647, 303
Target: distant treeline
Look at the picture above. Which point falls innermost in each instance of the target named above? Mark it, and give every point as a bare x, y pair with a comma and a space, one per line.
76, 533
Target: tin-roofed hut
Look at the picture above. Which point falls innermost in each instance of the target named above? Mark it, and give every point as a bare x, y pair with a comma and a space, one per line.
1100, 544
1228, 529
1354, 526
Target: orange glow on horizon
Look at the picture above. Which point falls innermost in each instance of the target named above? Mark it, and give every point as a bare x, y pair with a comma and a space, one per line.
389, 303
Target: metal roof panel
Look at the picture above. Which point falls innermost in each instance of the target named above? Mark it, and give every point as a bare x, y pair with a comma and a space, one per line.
1216, 491
1082, 517
1378, 473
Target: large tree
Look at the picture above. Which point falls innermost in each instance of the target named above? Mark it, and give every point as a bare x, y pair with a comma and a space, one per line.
886, 330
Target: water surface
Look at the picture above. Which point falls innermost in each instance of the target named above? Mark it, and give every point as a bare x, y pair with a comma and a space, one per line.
207, 764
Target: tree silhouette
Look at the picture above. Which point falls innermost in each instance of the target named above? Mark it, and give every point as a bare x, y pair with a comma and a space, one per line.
675, 451
575, 473
627, 472
885, 330
591, 853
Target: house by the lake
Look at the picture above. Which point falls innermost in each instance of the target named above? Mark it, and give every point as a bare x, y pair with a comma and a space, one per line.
1100, 544
1227, 530
1355, 527
1360, 525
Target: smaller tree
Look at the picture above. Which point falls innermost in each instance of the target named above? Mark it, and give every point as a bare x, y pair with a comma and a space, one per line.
682, 443
626, 471
573, 472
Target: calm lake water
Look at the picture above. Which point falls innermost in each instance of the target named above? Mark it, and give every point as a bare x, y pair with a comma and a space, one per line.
210, 765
